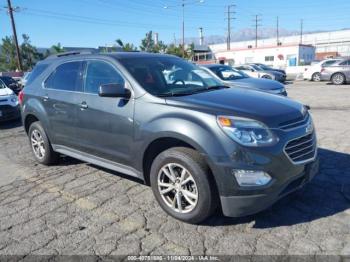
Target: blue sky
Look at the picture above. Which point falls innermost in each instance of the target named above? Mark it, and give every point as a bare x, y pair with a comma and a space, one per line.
92, 23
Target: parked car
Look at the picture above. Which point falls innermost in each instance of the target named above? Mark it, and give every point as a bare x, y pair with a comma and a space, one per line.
258, 72
234, 78
9, 106
269, 68
199, 145
338, 73
9, 82
24, 79
313, 73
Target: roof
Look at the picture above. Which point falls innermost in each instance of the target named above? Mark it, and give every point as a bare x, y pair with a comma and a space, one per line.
116, 55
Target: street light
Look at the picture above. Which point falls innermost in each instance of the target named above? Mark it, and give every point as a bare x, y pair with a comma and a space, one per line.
183, 4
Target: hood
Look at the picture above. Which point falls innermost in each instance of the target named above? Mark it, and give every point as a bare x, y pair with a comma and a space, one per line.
6, 91
269, 109
256, 83
273, 72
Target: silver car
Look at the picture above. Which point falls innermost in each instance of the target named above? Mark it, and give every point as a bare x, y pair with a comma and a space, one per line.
338, 73
257, 72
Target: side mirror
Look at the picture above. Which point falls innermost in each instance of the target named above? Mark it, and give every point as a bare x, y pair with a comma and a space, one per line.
114, 90
252, 70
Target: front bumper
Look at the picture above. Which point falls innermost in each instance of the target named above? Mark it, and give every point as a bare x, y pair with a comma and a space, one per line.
8, 112
238, 206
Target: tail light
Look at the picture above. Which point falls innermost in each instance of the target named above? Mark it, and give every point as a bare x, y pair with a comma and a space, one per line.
20, 97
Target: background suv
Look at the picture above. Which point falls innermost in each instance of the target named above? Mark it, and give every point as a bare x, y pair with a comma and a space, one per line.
199, 144
9, 107
338, 73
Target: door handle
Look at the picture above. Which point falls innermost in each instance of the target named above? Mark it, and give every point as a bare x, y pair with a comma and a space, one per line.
84, 106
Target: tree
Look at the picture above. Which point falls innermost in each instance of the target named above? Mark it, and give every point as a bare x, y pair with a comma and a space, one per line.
174, 50
8, 60
29, 53
148, 44
57, 48
128, 47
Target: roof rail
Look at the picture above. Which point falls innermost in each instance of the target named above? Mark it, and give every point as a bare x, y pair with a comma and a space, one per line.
70, 54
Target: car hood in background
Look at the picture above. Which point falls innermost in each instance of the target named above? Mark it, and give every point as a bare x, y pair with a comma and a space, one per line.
269, 109
5, 91
256, 83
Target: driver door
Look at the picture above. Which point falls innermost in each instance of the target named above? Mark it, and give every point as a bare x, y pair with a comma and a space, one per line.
106, 124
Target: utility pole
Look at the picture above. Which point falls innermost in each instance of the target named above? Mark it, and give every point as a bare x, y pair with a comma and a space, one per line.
183, 28
10, 11
230, 17
278, 31
301, 31
257, 19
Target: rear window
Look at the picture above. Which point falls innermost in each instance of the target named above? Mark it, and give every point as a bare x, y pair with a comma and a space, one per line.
38, 69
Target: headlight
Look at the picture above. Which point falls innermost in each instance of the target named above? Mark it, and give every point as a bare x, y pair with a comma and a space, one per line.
247, 132
14, 99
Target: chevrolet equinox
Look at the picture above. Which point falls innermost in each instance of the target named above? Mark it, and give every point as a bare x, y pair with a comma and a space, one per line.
201, 146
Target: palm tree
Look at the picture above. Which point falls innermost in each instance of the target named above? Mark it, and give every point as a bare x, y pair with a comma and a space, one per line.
57, 48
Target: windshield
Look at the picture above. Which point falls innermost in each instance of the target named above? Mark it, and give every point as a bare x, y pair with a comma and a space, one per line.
228, 73
169, 76
257, 68
8, 80
264, 67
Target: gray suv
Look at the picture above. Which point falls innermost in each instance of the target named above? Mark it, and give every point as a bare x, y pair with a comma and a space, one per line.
201, 146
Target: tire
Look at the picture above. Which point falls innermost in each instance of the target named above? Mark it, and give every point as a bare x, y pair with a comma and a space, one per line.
338, 79
201, 185
316, 77
41, 146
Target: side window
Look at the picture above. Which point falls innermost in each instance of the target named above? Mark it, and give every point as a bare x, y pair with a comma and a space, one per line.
100, 73
345, 62
2, 85
67, 76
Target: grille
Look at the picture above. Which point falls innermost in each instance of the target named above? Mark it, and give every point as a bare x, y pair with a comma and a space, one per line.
295, 123
3, 100
302, 149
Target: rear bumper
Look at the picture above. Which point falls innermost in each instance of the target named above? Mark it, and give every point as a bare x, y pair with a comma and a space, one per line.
238, 206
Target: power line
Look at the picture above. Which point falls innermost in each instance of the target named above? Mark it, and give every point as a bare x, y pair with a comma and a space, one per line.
230, 17
257, 20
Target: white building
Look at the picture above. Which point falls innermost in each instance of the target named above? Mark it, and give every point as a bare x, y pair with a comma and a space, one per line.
335, 43
277, 56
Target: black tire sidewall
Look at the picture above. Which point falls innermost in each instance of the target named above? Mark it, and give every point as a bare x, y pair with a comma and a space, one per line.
205, 196
50, 156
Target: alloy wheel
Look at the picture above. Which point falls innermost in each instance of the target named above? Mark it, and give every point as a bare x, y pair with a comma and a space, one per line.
38, 144
177, 188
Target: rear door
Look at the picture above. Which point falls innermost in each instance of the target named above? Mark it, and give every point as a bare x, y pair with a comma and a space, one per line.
62, 90
105, 123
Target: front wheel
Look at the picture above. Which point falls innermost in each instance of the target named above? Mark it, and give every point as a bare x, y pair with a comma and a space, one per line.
41, 145
338, 79
180, 183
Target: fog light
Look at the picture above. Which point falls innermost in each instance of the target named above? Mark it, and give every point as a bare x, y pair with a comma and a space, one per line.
247, 178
